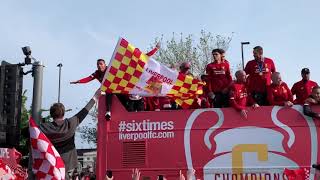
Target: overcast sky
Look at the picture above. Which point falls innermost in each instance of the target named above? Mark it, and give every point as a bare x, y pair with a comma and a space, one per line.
77, 33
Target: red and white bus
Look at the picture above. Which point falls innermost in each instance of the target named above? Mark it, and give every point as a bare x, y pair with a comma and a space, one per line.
218, 143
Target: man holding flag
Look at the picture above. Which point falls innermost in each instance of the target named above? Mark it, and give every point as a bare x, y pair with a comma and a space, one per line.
61, 133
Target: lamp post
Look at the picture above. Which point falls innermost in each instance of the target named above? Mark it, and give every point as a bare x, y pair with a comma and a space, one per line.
60, 66
243, 43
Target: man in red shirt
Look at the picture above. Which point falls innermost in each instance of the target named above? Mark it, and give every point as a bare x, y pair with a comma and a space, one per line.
185, 68
219, 80
259, 71
278, 92
101, 69
303, 88
239, 98
99, 75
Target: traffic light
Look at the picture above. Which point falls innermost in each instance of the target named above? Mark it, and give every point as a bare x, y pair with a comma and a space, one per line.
11, 77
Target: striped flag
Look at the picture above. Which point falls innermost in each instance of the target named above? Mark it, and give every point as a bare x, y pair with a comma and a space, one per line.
46, 161
132, 72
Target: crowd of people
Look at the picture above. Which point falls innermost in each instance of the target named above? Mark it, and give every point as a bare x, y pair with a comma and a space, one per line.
85, 174
259, 84
136, 175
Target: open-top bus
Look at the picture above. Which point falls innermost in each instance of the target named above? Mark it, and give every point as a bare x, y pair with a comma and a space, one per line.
217, 143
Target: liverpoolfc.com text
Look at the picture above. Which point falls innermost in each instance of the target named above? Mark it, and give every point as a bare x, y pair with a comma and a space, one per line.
145, 130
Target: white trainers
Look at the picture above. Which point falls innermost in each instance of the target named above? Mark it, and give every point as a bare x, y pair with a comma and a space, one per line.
108, 115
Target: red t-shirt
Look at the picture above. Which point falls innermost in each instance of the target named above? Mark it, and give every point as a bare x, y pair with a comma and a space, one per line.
152, 103
165, 103
259, 76
278, 94
302, 90
219, 76
238, 96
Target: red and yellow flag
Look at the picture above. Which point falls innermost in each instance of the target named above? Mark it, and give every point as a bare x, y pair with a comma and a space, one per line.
132, 72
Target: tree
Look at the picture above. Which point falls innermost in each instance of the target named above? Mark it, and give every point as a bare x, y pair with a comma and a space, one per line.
184, 48
24, 126
23, 147
89, 134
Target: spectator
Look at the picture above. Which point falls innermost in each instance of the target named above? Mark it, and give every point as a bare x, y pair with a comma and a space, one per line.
185, 68
75, 174
135, 174
181, 176
167, 103
259, 71
109, 178
239, 95
204, 96
61, 131
317, 172
190, 175
314, 99
109, 175
172, 66
219, 80
161, 177
223, 54
303, 88
278, 92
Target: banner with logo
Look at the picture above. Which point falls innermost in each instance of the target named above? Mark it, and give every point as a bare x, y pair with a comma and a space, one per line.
132, 72
218, 143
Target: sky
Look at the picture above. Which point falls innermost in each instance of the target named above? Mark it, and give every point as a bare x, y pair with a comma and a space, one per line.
77, 33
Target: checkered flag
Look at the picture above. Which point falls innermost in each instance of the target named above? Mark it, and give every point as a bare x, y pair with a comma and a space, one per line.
47, 163
130, 71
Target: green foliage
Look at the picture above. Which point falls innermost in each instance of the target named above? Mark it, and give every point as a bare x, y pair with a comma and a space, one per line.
24, 112
89, 134
24, 126
184, 48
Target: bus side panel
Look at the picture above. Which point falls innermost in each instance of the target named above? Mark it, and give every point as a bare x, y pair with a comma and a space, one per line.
218, 143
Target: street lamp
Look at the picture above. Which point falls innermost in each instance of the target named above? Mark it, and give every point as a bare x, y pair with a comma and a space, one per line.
60, 66
243, 43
